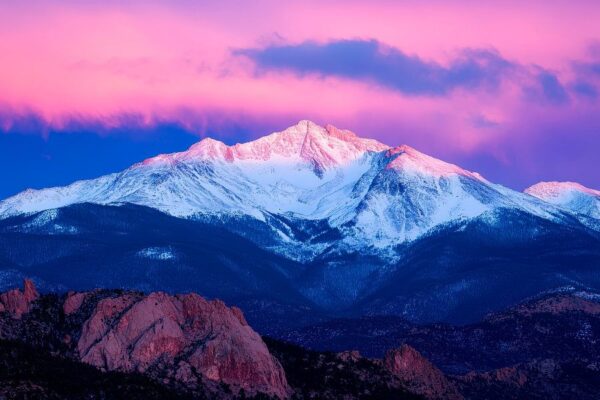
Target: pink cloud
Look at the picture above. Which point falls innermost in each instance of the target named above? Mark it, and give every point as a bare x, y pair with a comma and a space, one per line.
173, 61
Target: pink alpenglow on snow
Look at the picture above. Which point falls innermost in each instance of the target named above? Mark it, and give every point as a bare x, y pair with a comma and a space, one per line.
410, 160
550, 191
569, 195
306, 141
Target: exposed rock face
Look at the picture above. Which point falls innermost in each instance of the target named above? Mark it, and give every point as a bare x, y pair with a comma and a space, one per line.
30, 292
185, 336
420, 375
18, 302
73, 302
182, 341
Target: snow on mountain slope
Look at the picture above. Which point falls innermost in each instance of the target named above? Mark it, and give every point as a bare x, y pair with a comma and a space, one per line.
414, 193
305, 142
293, 171
375, 195
30, 201
569, 195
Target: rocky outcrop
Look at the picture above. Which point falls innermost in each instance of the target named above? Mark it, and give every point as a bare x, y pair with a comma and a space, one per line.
185, 342
184, 337
73, 302
419, 375
17, 302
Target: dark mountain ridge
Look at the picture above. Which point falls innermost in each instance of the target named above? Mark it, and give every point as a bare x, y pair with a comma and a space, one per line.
457, 273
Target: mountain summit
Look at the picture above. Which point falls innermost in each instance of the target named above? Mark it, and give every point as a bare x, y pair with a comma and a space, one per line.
323, 147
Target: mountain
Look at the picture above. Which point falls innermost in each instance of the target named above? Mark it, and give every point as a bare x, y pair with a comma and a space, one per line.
276, 174
300, 226
85, 246
559, 326
569, 195
374, 195
573, 197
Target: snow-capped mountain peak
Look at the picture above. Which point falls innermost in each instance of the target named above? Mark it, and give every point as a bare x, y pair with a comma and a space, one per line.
571, 196
374, 196
554, 190
322, 147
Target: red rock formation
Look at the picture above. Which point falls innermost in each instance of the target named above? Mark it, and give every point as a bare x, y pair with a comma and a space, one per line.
419, 375
30, 291
73, 302
18, 302
185, 336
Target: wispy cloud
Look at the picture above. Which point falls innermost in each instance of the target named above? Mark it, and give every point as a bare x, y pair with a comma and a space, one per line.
387, 66
372, 62
550, 88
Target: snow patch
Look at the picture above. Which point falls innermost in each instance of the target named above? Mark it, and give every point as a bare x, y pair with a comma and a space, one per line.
157, 253
45, 220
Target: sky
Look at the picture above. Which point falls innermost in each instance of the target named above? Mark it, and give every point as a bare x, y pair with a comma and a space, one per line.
510, 89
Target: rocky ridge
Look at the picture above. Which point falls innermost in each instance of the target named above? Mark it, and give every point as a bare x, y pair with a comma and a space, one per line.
186, 340
17, 302
545, 348
419, 374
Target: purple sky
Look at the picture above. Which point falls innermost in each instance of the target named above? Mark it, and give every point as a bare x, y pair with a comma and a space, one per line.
510, 89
